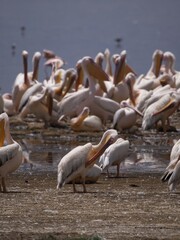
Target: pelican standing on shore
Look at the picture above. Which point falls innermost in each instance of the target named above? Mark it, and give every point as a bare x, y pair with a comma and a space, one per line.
114, 155
172, 172
11, 155
80, 159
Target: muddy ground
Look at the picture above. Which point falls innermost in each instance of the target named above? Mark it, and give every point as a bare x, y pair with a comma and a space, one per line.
130, 207
134, 206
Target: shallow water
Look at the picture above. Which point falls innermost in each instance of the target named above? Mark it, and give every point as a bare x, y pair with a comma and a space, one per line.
44, 148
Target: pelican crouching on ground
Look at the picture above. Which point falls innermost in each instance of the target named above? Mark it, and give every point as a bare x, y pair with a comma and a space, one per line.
11, 155
76, 163
161, 110
86, 122
172, 172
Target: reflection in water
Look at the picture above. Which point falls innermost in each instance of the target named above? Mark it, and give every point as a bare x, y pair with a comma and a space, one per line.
148, 153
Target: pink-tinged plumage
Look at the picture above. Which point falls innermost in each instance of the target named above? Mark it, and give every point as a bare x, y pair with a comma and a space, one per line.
11, 155
172, 172
114, 155
76, 163
161, 111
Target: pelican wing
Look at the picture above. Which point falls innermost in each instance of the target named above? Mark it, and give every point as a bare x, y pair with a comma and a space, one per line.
8, 152
29, 92
166, 107
175, 177
71, 164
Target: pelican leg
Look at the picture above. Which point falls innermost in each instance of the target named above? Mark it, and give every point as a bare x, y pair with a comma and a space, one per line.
84, 186
164, 126
108, 173
118, 166
74, 187
4, 185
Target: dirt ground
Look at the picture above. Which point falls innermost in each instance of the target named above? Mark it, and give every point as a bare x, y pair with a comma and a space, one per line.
135, 206
131, 207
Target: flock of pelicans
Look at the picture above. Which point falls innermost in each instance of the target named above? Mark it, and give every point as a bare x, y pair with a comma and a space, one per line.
95, 94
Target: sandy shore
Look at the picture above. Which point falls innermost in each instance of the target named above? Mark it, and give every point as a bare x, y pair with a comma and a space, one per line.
131, 207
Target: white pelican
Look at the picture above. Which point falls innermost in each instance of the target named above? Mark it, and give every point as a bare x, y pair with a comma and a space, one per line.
11, 155
108, 67
89, 72
86, 122
161, 111
99, 59
125, 117
73, 103
8, 104
154, 70
92, 175
114, 155
24, 80
118, 89
172, 172
66, 84
152, 74
137, 97
40, 105
80, 159
169, 67
21, 83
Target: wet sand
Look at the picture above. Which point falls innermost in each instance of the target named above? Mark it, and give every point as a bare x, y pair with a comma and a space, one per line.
135, 206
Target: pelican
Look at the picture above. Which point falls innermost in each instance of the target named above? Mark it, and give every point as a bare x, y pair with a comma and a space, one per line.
108, 68
65, 85
172, 172
118, 89
73, 103
161, 111
8, 104
24, 80
92, 175
11, 155
114, 155
154, 70
169, 67
80, 159
86, 122
137, 97
125, 117
40, 105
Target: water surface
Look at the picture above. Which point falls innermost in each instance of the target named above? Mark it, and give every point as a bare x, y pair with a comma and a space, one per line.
73, 29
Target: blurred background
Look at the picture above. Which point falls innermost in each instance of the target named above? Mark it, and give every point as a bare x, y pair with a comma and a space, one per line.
76, 28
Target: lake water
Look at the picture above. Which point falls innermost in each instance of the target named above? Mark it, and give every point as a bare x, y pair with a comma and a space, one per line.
73, 29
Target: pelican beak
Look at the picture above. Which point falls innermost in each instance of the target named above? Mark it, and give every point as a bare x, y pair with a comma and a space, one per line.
84, 114
158, 62
70, 79
80, 76
98, 73
129, 78
36, 60
110, 139
120, 68
25, 64
2, 132
129, 69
